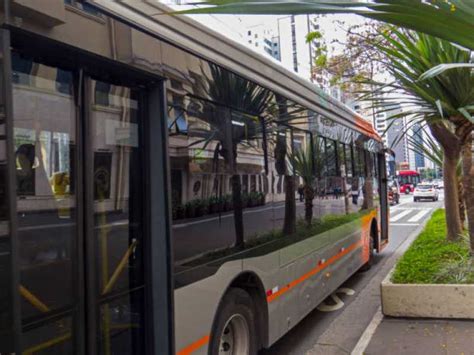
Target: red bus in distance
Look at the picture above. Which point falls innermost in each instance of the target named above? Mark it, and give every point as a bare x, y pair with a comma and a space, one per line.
408, 179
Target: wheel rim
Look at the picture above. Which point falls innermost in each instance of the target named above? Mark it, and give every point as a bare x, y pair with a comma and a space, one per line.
235, 337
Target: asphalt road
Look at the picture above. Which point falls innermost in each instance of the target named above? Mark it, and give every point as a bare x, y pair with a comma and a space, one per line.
216, 232
337, 328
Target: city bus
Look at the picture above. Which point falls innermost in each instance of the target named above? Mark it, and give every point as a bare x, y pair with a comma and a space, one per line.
167, 190
408, 179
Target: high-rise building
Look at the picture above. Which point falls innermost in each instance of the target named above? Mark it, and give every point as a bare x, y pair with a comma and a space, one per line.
295, 52
261, 38
418, 157
393, 132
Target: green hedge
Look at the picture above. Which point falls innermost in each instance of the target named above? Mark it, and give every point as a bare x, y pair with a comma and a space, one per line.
433, 259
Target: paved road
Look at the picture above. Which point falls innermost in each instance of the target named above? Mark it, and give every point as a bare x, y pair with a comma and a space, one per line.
216, 232
337, 332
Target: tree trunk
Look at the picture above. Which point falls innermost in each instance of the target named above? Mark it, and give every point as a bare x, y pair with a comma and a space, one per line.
451, 196
346, 196
289, 224
468, 185
308, 204
238, 211
451, 152
368, 194
462, 205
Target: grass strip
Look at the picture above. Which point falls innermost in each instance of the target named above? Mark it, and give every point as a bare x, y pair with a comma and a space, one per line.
432, 259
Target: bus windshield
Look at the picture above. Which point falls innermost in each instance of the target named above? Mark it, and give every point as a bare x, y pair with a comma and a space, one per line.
411, 179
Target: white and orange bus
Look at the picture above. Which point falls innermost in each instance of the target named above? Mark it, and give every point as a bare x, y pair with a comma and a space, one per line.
154, 197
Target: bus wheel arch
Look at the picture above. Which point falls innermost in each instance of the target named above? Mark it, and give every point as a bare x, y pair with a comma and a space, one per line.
249, 282
373, 245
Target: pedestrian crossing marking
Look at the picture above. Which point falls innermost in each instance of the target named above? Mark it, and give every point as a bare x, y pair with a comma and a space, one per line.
408, 216
400, 215
404, 224
418, 216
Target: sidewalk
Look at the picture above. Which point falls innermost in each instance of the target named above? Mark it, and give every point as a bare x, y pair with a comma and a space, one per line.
422, 336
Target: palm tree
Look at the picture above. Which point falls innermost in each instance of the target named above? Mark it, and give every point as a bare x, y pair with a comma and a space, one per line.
444, 103
427, 146
286, 117
235, 117
304, 163
452, 20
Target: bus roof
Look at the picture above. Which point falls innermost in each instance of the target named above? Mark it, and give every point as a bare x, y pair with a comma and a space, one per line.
200, 40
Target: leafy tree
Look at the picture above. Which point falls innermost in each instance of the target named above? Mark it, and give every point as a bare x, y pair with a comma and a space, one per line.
359, 60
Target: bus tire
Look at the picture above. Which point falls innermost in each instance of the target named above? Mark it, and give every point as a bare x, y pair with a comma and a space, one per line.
234, 330
370, 262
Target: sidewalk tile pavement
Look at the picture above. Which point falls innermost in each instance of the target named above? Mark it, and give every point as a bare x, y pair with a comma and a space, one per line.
422, 336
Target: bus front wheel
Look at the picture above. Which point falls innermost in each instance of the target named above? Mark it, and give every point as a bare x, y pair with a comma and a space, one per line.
234, 327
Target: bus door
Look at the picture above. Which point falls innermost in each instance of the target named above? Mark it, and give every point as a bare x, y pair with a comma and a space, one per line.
84, 196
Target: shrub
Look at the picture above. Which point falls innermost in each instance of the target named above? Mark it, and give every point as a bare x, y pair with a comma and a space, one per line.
190, 209
201, 207
228, 205
215, 204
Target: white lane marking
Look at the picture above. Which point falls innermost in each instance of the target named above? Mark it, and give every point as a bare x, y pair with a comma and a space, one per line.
122, 222
404, 224
368, 333
419, 216
182, 225
323, 307
395, 209
400, 215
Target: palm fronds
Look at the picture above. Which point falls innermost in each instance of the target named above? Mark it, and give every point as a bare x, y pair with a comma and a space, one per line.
425, 145
304, 164
450, 94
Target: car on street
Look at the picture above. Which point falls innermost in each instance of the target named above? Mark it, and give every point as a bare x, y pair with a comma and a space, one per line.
425, 191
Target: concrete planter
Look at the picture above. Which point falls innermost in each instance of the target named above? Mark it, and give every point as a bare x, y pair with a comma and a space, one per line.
427, 300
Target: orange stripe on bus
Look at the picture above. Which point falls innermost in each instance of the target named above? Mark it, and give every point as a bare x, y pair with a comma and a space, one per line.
204, 340
313, 272
194, 346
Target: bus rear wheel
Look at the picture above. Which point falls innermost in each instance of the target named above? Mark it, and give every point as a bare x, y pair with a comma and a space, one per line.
234, 330
368, 265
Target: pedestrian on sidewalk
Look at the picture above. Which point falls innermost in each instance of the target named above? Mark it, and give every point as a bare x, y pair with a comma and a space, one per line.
301, 192
355, 191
